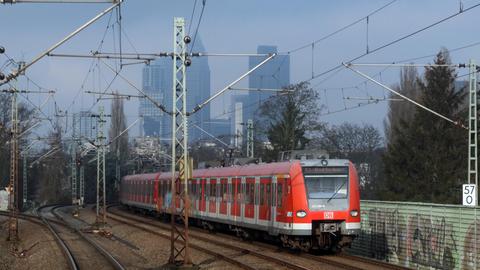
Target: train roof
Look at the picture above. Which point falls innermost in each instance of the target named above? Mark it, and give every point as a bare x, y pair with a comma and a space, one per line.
276, 168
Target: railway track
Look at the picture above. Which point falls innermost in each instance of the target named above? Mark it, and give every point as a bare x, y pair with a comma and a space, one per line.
39, 220
338, 261
218, 249
76, 251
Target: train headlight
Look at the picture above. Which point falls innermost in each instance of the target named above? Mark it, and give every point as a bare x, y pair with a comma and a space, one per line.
301, 214
354, 213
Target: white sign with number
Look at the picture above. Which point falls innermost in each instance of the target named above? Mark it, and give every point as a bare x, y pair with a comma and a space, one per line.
469, 194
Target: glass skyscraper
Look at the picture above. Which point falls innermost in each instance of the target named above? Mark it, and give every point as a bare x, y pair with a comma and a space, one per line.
274, 74
157, 83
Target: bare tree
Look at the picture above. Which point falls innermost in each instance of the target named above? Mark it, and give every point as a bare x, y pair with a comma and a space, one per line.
289, 120
361, 144
120, 145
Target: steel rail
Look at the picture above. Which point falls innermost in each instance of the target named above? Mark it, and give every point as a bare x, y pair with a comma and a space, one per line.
252, 252
110, 258
40, 220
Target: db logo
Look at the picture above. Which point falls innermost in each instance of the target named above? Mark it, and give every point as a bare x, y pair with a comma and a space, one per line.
328, 215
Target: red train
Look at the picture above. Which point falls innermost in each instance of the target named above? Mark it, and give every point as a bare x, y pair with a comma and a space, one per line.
309, 204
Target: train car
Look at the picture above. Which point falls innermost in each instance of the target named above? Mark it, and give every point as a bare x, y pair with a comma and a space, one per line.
308, 204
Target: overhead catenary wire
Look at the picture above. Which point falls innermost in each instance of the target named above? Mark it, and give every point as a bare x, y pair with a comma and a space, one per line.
342, 28
198, 25
457, 123
394, 41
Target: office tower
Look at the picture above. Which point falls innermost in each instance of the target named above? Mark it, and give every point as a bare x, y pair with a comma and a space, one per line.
275, 74
157, 83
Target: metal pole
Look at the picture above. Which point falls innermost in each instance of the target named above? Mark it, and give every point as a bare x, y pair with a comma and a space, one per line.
472, 128
179, 246
13, 199
250, 143
101, 218
24, 180
82, 185
73, 163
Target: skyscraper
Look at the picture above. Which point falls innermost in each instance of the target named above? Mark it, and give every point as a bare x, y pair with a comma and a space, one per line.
275, 74
157, 83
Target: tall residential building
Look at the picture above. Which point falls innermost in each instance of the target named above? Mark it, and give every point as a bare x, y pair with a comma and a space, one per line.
275, 74
157, 83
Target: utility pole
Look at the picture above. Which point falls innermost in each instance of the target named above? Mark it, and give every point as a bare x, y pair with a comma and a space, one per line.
101, 218
472, 128
82, 184
73, 164
179, 246
250, 143
24, 179
13, 196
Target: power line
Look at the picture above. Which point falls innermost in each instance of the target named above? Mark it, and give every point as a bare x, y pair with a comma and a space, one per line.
395, 41
341, 29
198, 25
191, 17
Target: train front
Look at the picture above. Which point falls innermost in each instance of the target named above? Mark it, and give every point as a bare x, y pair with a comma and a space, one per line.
329, 201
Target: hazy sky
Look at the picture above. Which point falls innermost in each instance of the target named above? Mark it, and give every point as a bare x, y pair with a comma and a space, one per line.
239, 27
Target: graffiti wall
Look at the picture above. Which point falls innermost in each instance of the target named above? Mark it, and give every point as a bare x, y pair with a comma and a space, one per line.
420, 236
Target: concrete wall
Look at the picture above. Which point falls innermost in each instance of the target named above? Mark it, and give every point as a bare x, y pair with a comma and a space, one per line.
420, 236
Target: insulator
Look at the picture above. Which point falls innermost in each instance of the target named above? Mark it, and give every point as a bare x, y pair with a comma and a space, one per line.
187, 39
2, 49
2, 76
188, 62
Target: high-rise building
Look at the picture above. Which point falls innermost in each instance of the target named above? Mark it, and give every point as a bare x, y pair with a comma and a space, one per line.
274, 74
154, 84
157, 83
87, 125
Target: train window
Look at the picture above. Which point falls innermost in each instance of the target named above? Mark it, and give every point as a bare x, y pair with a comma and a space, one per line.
223, 192
213, 191
263, 200
191, 190
239, 191
201, 189
268, 193
279, 194
150, 192
250, 193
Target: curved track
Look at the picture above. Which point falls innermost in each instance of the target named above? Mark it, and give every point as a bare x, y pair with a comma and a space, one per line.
72, 263
111, 262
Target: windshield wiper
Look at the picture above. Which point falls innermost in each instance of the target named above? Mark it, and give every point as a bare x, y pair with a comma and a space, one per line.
335, 193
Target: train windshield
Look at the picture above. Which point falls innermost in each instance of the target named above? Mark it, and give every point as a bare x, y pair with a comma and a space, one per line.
327, 187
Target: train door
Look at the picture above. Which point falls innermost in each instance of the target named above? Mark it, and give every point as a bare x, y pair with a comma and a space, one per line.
236, 210
242, 199
264, 213
229, 197
223, 196
281, 212
212, 207
201, 192
272, 228
192, 190
249, 211
256, 204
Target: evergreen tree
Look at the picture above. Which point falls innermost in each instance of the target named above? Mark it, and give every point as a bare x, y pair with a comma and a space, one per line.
427, 160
